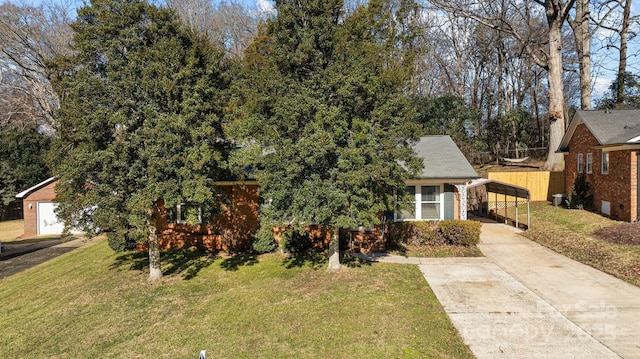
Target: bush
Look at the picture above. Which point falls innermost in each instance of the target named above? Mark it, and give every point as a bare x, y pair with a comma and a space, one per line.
435, 233
263, 241
121, 241
579, 196
460, 233
294, 240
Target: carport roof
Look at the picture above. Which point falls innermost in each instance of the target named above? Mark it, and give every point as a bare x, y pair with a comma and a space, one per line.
494, 186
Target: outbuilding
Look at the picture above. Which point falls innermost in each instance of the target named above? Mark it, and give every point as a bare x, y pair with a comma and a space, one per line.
38, 206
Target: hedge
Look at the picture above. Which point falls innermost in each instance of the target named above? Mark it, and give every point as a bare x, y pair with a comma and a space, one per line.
434, 233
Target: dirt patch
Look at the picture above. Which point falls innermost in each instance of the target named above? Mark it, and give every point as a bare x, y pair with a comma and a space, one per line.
628, 233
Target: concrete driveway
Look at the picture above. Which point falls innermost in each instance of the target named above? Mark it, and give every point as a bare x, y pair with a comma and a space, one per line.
525, 301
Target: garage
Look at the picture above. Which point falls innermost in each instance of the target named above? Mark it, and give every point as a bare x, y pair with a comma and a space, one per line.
48, 222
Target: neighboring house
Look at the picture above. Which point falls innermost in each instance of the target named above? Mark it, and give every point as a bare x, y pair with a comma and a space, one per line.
440, 189
604, 146
439, 192
38, 205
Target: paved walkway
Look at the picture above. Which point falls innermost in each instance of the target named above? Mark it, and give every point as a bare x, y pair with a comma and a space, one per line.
525, 301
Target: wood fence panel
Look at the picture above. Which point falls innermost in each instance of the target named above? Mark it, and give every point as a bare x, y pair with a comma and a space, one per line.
542, 185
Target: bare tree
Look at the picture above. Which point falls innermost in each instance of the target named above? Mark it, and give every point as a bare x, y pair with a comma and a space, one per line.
229, 24
29, 37
549, 58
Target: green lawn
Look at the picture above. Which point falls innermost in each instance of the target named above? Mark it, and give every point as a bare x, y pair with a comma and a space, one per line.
10, 230
93, 302
568, 231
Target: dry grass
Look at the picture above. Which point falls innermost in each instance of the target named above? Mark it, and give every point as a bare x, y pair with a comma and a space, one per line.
93, 302
571, 233
11, 230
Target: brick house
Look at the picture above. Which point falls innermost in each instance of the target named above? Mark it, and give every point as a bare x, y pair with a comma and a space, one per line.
604, 146
439, 192
38, 207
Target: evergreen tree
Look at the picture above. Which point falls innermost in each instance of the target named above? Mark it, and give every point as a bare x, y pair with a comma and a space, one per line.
22, 161
139, 120
322, 116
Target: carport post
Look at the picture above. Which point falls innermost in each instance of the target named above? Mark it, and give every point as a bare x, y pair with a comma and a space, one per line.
496, 207
505, 209
517, 212
528, 214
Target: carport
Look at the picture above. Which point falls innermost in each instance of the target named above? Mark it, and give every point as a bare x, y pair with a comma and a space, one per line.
511, 194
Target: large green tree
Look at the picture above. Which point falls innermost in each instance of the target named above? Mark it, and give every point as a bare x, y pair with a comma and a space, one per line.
22, 161
322, 114
139, 122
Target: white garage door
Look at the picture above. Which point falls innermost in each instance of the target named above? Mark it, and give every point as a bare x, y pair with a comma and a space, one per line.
48, 222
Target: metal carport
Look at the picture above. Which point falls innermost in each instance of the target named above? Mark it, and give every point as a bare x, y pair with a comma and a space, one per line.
506, 189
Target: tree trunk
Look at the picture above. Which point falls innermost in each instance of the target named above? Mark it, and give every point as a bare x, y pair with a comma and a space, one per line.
622, 64
556, 96
334, 250
583, 45
155, 273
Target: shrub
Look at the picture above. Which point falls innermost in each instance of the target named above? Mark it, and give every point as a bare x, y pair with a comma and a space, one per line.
263, 241
435, 233
460, 233
121, 241
294, 240
579, 196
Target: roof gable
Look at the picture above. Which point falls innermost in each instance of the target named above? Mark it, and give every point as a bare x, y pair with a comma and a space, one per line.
28, 191
442, 159
609, 127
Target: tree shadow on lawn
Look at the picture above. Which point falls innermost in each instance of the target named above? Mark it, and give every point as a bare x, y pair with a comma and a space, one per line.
184, 262
316, 260
237, 260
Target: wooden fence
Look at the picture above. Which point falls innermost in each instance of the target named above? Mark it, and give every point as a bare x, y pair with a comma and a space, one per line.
542, 185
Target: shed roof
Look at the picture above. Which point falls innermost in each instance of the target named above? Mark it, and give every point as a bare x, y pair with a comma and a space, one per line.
442, 159
26, 192
609, 127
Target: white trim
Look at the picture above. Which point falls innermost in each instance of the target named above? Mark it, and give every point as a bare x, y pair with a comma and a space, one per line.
417, 201
634, 140
588, 163
24, 193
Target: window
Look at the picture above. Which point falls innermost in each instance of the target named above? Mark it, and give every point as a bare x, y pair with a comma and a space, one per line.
410, 211
588, 163
425, 203
580, 162
188, 213
430, 202
605, 162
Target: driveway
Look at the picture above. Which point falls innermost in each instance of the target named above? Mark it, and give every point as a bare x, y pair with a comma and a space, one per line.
523, 300
20, 255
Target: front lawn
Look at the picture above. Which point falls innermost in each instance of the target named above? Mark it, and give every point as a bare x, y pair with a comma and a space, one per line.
10, 230
571, 233
93, 302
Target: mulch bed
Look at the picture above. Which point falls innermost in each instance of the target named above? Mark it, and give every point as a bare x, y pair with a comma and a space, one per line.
621, 234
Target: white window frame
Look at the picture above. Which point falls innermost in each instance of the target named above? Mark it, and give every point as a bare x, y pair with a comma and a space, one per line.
417, 202
588, 166
604, 166
580, 163
179, 218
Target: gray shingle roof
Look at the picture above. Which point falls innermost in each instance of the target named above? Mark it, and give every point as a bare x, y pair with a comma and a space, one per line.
442, 159
612, 126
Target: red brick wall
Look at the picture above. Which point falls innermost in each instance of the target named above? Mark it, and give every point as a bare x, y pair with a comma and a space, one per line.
617, 187
30, 208
229, 231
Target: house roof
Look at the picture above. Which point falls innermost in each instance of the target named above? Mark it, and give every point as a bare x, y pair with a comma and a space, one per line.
26, 192
442, 159
609, 127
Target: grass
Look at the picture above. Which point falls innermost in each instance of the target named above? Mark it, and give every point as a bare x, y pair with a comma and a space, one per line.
11, 230
430, 251
93, 302
569, 232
